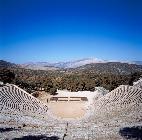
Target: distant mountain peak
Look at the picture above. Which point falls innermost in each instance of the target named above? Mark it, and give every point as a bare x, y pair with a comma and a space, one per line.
4, 64
64, 65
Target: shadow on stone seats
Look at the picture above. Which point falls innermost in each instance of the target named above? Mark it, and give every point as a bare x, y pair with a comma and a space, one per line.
38, 137
134, 132
2, 130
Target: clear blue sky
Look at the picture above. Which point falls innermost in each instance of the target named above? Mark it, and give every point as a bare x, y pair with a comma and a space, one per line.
61, 30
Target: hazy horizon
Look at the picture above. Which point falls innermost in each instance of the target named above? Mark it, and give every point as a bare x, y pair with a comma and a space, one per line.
58, 31
74, 60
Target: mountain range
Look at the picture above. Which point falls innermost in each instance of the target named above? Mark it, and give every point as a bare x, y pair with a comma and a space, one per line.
81, 64
61, 65
70, 64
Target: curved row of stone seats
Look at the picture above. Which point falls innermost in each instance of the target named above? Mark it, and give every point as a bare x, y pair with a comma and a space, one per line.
14, 99
138, 83
122, 100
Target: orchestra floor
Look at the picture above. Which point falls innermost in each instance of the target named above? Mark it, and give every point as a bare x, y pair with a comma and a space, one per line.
67, 109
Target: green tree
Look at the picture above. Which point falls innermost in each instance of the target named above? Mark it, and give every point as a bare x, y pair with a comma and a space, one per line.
6, 75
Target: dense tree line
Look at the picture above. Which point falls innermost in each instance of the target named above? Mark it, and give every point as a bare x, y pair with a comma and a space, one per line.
50, 81
6, 76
